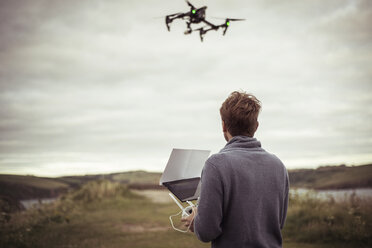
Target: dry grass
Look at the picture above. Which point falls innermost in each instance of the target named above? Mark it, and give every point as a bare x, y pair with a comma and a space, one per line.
108, 215
326, 221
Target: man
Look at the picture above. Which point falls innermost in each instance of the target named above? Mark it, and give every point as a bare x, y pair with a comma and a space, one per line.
244, 189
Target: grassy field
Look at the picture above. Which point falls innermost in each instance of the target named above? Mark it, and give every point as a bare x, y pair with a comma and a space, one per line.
108, 215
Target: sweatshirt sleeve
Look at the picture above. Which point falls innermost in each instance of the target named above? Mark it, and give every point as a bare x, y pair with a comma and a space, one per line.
286, 199
207, 223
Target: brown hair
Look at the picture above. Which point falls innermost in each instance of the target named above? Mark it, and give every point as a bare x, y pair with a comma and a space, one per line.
240, 112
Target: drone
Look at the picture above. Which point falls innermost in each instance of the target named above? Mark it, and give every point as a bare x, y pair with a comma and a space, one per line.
196, 16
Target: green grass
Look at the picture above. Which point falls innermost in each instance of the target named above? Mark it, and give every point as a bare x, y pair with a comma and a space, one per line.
108, 215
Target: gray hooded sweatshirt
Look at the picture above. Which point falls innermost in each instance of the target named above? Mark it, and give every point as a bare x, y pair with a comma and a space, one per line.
244, 197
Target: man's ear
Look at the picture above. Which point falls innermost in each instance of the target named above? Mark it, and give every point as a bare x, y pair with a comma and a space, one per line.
257, 124
224, 129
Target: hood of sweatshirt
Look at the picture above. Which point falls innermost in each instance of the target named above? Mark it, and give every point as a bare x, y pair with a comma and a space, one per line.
242, 142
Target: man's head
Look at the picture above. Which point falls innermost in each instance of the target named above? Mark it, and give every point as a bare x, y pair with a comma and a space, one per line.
239, 113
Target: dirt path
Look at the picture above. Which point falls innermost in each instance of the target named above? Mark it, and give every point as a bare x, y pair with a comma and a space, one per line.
137, 228
157, 196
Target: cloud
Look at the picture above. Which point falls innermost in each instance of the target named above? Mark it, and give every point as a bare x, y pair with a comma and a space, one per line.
93, 82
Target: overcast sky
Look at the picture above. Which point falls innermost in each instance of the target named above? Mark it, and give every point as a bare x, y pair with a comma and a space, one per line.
102, 86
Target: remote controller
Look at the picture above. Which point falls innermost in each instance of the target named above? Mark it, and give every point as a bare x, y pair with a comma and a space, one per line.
185, 211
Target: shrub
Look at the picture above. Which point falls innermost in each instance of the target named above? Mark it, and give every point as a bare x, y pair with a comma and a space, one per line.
19, 231
314, 220
101, 189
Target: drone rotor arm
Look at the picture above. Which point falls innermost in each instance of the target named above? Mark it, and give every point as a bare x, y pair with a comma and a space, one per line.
210, 24
170, 18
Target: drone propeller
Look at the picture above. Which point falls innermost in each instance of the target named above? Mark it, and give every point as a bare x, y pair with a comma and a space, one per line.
158, 17
228, 20
179, 13
188, 3
227, 23
234, 19
231, 19
171, 15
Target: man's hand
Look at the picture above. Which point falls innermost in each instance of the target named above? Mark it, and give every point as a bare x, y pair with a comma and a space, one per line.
189, 220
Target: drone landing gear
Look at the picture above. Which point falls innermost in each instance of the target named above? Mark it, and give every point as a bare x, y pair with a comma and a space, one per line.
167, 21
203, 31
224, 31
201, 34
188, 30
170, 18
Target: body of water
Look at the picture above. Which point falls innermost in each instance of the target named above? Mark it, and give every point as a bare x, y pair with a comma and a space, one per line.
27, 204
338, 195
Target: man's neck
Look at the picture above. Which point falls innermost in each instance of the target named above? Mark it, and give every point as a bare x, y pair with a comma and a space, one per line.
227, 136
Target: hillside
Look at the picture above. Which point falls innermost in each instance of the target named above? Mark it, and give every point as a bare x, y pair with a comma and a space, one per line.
26, 187
15, 187
332, 177
19, 187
